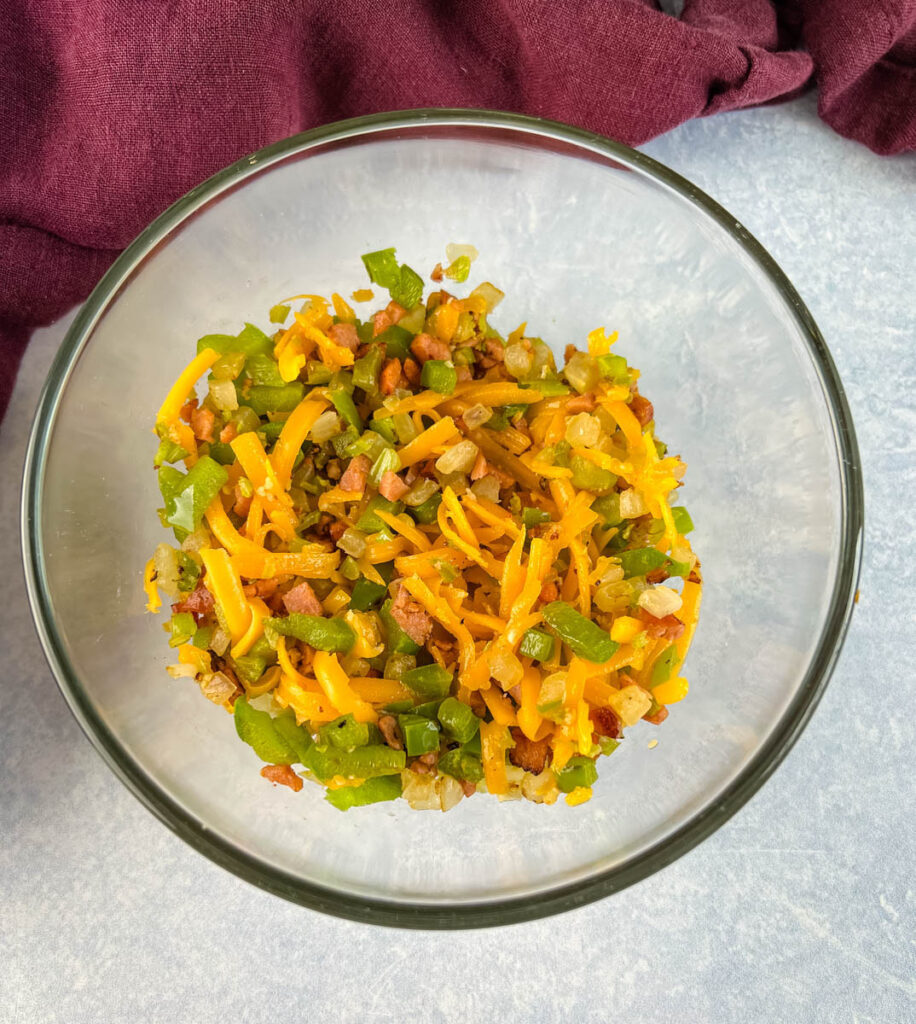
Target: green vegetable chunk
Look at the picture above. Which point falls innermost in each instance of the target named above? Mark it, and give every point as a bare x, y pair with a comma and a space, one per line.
584, 637
589, 477
250, 667
262, 399
366, 370
278, 313
366, 594
409, 289
614, 368
382, 268
249, 341
346, 407
458, 721
259, 731
536, 644
387, 461
461, 764
345, 733
534, 516
428, 710
398, 641
372, 791
421, 735
369, 522
187, 496
427, 512
397, 342
639, 561
264, 370
296, 736
682, 521
608, 507
182, 627
578, 771
459, 269
548, 388
439, 375
361, 763
168, 451
318, 632
430, 681
665, 665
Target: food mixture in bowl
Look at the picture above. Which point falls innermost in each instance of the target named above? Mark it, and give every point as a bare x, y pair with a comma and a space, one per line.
414, 558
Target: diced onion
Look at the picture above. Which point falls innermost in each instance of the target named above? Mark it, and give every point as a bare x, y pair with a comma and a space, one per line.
486, 488
460, 458
165, 562
454, 251
540, 789
420, 791
353, 542
660, 601
582, 372
614, 596
490, 294
217, 687
219, 642
632, 505
583, 430
325, 427
223, 395
476, 416
518, 360
422, 489
505, 668
450, 792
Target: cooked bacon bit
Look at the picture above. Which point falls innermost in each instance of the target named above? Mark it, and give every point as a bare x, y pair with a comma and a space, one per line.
528, 754
199, 602
391, 486
658, 717
419, 767
668, 628
261, 588
412, 372
480, 467
354, 479
396, 311
242, 503
336, 530
187, 409
569, 352
642, 409
505, 479
345, 335
657, 575
431, 758
581, 403
228, 433
478, 704
463, 373
606, 722
381, 321
388, 726
202, 421
549, 592
283, 775
469, 787
302, 599
425, 346
412, 617
391, 374
436, 275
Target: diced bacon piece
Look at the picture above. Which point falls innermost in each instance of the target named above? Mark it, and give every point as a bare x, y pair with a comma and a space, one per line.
354, 478
411, 617
202, 421
425, 346
412, 372
606, 723
391, 374
529, 754
581, 403
283, 775
480, 469
392, 487
344, 335
302, 600
642, 409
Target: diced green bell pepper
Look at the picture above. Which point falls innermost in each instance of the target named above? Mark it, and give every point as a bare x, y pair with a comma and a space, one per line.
639, 561
613, 368
372, 791
318, 632
187, 496
536, 644
387, 461
263, 370
366, 594
202, 637
578, 771
607, 745
386, 429
259, 731
296, 736
589, 477
397, 342
278, 313
182, 627
421, 735
439, 375
584, 637
430, 681
398, 641
429, 510
382, 267
367, 368
369, 522
665, 665
548, 388
345, 733
250, 667
608, 507
461, 764
458, 721
249, 341
359, 763
682, 521
534, 516
346, 407
262, 399
428, 710
168, 451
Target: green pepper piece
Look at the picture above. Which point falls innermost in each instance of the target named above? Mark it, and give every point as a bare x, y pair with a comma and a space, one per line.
365, 331
534, 516
614, 368
578, 771
409, 289
248, 341
191, 494
429, 510
318, 632
428, 681
584, 637
473, 745
458, 721
262, 648
589, 477
398, 641
548, 388
382, 267
682, 521
278, 313
296, 736
428, 710
678, 568
316, 373
202, 637
345, 733
398, 706
387, 461
250, 667
369, 522
608, 507
371, 443
182, 627
188, 572
397, 342
366, 594
607, 745
665, 665
372, 791
168, 451
346, 407
498, 421
258, 730
459, 269
639, 561
360, 763
461, 764
222, 453
396, 665
245, 419
439, 375
421, 735
263, 400
341, 442
264, 370
367, 368
536, 644
385, 429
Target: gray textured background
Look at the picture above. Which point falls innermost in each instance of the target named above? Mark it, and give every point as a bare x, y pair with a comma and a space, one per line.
801, 908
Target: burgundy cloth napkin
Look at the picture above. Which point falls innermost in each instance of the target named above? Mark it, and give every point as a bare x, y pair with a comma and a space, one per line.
111, 109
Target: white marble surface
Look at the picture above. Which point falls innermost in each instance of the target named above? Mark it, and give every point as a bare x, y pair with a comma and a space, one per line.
803, 907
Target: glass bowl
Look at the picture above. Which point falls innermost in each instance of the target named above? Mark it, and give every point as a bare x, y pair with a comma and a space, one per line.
579, 232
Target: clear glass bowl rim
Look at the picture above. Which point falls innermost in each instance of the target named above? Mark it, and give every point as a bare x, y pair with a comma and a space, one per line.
498, 911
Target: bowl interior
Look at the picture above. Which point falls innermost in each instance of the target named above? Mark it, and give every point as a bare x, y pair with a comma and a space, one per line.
576, 238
